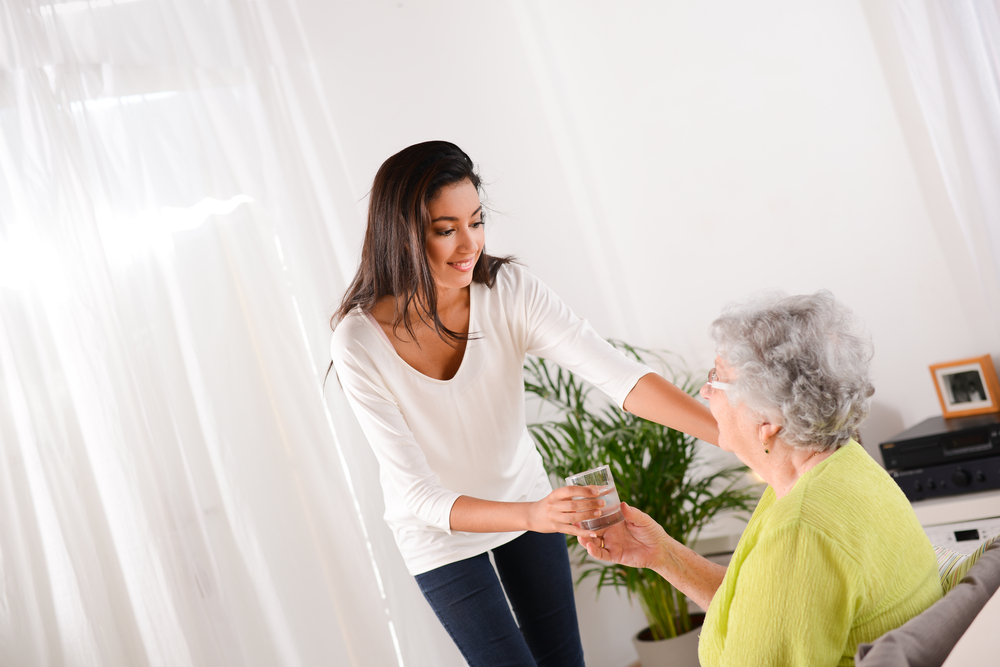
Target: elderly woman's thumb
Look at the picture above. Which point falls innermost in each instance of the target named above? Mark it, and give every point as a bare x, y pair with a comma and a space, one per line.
630, 513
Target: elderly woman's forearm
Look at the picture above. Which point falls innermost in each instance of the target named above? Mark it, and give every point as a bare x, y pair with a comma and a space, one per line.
691, 574
656, 399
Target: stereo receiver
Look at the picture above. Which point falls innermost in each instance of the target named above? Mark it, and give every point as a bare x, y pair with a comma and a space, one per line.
945, 457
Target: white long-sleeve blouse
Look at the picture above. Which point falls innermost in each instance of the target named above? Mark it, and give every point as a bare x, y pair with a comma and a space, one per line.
438, 439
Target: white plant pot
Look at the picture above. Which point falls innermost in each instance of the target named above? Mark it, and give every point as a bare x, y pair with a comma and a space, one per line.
676, 652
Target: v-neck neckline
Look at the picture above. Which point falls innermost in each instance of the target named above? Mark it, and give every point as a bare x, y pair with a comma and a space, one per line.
465, 354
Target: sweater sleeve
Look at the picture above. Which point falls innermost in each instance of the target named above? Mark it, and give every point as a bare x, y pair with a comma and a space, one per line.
773, 618
556, 333
401, 461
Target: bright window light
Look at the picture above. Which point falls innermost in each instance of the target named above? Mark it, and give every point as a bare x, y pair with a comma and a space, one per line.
177, 219
124, 235
78, 6
26, 262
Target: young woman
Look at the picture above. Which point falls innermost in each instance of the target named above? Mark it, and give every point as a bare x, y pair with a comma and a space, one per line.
429, 344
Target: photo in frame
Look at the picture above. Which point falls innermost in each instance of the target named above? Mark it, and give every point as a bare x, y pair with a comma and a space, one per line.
967, 387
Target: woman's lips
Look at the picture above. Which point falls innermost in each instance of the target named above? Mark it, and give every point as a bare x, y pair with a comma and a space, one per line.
465, 265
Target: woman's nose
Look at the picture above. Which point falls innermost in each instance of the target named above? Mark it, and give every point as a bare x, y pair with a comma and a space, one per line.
705, 390
467, 240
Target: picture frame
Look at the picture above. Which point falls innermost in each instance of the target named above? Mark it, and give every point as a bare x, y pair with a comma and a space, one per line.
967, 387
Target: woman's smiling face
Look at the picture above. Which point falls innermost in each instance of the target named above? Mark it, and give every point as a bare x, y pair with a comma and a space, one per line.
456, 235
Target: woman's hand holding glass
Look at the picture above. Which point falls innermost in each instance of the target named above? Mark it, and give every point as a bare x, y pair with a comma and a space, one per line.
638, 541
563, 509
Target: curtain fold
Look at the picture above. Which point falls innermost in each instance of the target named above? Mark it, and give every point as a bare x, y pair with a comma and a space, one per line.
173, 488
951, 49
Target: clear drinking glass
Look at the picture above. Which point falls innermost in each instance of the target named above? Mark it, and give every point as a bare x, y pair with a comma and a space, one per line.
600, 477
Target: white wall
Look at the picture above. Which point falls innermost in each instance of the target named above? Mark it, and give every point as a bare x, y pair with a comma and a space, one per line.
652, 160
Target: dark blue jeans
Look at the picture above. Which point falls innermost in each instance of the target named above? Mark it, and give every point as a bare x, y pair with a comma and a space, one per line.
534, 572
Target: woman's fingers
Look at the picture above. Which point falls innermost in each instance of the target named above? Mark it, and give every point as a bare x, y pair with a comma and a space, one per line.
595, 545
638, 519
563, 510
594, 550
579, 501
632, 515
577, 494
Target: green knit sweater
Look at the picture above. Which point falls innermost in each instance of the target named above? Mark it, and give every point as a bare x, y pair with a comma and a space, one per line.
840, 560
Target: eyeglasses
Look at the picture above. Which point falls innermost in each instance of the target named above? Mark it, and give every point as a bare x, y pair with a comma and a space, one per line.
715, 384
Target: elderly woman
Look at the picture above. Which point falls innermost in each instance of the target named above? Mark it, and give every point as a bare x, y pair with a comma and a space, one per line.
833, 555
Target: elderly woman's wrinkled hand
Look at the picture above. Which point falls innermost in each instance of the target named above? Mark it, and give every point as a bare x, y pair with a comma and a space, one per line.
638, 541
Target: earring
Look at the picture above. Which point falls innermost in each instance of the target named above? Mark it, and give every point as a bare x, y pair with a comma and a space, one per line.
764, 445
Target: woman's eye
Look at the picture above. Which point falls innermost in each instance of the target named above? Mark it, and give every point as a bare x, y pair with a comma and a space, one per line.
444, 232
479, 223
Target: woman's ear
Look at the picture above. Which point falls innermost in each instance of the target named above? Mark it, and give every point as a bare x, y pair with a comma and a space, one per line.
767, 430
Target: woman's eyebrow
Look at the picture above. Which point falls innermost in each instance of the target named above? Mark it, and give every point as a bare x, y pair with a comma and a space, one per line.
453, 218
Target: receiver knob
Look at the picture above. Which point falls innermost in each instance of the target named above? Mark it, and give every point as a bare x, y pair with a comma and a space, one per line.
930, 483
961, 478
980, 476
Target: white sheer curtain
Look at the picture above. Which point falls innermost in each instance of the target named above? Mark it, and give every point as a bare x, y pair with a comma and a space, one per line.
952, 52
173, 490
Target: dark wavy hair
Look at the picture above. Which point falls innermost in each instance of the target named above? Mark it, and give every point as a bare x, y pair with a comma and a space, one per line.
393, 256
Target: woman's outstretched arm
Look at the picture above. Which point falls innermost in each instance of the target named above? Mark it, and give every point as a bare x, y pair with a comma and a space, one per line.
656, 399
556, 513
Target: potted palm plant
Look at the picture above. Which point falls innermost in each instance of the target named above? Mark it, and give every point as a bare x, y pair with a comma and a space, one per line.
655, 469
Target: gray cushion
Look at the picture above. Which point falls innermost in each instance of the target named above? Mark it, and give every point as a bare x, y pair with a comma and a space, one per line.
927, 639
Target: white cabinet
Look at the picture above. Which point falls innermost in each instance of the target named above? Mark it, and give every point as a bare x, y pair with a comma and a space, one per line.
960, 523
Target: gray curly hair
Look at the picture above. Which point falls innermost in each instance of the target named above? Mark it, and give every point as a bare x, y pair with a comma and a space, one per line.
801, 362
